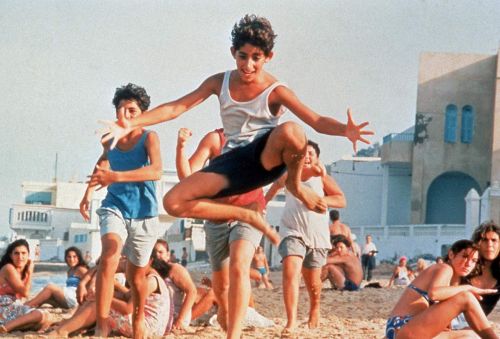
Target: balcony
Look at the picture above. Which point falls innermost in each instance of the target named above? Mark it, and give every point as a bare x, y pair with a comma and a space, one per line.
397, 148
31, 217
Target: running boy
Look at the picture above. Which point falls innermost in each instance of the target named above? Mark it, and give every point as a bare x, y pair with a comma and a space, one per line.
258, 150
306, 238
128, 216
230, 245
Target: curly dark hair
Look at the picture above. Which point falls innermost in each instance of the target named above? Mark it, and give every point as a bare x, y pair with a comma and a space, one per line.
132, 92
78, 252
335, 239
6, 259
254, 30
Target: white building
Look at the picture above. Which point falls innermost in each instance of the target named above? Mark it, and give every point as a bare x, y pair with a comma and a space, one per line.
49, 215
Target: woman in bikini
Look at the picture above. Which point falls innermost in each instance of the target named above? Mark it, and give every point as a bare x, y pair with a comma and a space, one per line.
64, 297
417, 313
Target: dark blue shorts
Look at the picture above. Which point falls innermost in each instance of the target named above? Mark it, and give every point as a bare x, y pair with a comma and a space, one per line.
243, 169
350, 286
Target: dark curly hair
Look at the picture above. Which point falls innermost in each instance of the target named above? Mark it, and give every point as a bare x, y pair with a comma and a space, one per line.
477, 236
132, 92
6, 259
254, 30
78, 252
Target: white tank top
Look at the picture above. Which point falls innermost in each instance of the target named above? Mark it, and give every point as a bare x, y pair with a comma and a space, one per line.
298, 221
244, 121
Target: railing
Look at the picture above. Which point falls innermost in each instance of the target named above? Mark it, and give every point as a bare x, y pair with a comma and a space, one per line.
39, 215
398, 137
410, 230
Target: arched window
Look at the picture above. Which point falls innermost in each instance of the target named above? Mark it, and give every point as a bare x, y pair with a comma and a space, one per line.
467, 124
450, 124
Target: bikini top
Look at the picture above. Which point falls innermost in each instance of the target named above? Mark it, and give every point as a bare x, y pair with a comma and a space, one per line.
423, 293
73, 281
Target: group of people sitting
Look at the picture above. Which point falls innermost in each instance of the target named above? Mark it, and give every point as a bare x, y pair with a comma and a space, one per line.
173, 300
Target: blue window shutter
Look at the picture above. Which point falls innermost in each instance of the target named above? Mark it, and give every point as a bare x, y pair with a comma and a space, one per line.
467, 124
450, 124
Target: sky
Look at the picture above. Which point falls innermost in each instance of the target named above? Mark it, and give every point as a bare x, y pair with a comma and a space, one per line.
61, 61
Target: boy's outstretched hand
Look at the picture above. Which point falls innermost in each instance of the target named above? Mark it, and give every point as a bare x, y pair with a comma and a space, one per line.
355, 132
115, 129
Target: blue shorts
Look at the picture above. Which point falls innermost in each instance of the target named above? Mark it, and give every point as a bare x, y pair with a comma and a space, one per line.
395, 323
262, 270
243, 169
350, 286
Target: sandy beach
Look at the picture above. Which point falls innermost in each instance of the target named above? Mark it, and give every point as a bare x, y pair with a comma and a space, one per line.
343, 314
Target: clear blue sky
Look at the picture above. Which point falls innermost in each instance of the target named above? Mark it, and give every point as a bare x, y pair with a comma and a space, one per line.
61, 61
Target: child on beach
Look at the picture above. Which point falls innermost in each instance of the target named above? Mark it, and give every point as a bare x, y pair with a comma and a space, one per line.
230, 245
258, 150
343, 268
259, 262
435, 297
401, 276
64, 297
128, 216
306, 238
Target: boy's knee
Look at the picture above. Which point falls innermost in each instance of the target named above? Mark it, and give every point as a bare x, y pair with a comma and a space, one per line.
466, 299
292, 132
171, 205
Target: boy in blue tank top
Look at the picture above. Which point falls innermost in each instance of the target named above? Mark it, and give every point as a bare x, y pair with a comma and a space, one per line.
128, 216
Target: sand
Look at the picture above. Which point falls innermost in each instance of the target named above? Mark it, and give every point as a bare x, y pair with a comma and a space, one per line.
343, 314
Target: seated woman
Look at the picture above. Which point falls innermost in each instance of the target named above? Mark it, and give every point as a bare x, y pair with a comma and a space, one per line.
417, 315
16, 270
401, 275
63, 297
188, 305
156, 311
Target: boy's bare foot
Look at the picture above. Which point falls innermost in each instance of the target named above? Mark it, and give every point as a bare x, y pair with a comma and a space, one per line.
273, 236
257, 220
287, 332
103, 330
308, 197
313, 318
221, 319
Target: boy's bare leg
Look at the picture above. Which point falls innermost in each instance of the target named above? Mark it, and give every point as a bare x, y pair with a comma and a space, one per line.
240, 257
336, 276
110, 256
137, 278
220, 285
186, 199
287, 144
312, 279
84, 317
291, 280
206, 299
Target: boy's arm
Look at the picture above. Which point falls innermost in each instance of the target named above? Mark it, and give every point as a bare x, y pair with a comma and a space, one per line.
153, 171
275, 188
334, 196
206, 150
164, 112
320, 123
181, 278
102, 162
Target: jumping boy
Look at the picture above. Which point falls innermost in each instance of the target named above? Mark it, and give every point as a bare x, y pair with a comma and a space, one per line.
128, 216
258, 150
